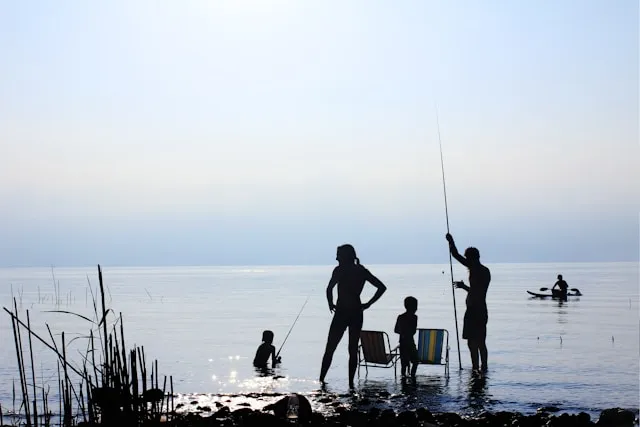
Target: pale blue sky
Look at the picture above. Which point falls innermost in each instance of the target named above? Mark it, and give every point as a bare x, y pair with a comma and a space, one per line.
258, 132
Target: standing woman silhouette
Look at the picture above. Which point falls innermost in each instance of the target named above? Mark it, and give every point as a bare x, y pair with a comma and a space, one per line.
350, 276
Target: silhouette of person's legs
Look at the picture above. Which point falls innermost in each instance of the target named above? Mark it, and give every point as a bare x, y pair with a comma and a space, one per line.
414, 361
404, 360
474, 350
336, 331
354, 339
483, 355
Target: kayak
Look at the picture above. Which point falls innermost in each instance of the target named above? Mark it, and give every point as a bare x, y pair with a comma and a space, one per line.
539, 295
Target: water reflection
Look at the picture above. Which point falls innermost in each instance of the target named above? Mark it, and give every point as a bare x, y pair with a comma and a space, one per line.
431, 391
432, 385
477, 392
426, 385
264, 372
562, 312
376, 387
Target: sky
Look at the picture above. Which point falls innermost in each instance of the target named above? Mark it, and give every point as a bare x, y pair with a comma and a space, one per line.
252, 132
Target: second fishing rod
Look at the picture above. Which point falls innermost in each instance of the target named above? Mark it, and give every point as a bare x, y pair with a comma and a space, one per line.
294, 324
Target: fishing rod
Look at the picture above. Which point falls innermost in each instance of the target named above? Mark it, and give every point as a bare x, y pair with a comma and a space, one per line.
294, 324
446, 211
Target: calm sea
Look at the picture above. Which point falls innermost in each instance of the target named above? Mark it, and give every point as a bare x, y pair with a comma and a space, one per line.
203, 324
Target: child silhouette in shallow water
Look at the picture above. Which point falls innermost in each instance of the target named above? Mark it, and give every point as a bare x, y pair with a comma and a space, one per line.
265, 351
406, 326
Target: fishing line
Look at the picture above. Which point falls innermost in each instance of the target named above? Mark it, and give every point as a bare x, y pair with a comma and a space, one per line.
446, 211
294, 324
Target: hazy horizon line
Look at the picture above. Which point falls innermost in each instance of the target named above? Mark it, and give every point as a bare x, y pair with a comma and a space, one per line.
121, 266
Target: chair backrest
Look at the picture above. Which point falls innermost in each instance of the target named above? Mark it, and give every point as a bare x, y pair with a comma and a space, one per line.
430, 345
373, 347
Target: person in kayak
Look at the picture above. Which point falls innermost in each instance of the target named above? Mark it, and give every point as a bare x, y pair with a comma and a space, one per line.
350, 276
563, 288
476, 316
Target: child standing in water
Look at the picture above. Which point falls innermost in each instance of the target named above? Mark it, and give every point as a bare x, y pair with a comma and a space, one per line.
406, 326
265, 351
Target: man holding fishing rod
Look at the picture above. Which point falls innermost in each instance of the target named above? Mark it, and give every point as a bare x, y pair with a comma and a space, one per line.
350, 277
474, 329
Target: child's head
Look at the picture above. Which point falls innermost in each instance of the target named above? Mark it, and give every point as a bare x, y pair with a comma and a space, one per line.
267, 336
411, 304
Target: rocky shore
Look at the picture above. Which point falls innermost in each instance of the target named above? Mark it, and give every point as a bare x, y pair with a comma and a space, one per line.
273, 409
420, 417
235, 410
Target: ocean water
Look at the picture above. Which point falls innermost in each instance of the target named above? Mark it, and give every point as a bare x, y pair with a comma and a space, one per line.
203, 325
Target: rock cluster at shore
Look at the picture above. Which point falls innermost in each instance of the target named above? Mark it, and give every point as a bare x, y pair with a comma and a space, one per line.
419, 418
275, 414
272, 409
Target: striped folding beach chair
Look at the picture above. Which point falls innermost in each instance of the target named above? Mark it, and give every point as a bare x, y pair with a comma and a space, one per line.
375, 352
433, 348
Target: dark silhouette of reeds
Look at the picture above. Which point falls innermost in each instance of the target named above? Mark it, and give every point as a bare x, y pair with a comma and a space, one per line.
114, 391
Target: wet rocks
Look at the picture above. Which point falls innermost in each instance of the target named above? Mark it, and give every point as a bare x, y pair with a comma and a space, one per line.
326, 409
531, 420
364, 401
222, 413
616, 417
567, 420
242, 413
281, 407
408, 419
387, 417
448, 418
354, 418
422, 417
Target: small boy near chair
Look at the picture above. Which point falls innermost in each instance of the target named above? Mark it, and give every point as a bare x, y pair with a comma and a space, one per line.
406, 326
